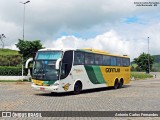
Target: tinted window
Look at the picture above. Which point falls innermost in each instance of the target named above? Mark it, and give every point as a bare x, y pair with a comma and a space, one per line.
66, 64
98, 59
78, 58
113, 61
89, 59
119, 61
126, 62
106, 60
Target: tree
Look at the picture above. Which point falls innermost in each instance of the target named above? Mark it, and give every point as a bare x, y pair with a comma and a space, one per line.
28, 48
142, 62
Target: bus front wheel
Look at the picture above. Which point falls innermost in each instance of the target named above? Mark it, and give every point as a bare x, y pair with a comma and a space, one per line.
77, 87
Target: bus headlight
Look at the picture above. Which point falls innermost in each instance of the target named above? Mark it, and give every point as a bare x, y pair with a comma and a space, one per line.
56, 84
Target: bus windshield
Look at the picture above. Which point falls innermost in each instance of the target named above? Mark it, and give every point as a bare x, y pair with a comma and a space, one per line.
44, 65
49, 55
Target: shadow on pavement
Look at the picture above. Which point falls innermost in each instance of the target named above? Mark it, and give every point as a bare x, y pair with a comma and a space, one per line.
83, 92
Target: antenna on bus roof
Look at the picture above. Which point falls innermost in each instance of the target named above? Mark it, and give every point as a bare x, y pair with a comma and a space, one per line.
125, 55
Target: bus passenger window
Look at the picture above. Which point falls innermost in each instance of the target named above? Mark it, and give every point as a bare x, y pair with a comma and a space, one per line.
78, 58
119, 61
113, 61
106, 60
98, 59
126, 62
89, 59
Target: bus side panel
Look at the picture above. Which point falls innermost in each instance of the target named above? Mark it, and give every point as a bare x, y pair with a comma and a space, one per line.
89, 76
111, 73
127, 75
94, 77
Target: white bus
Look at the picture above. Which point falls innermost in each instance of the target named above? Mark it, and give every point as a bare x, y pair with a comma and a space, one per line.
67, 70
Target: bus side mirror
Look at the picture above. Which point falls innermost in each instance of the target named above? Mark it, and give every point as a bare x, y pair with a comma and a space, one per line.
27, 62
27, 65
57, 66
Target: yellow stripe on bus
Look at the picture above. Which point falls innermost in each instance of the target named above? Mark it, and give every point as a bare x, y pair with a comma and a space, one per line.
37, 82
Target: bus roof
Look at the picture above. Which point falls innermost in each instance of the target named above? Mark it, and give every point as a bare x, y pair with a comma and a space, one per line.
52, 49
89, 50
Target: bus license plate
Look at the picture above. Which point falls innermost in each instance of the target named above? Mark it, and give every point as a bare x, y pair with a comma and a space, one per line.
41, 88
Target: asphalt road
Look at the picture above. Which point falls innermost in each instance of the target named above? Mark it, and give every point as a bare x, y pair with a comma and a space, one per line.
140, 95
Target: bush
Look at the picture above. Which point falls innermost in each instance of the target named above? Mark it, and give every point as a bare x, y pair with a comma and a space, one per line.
140, 75
11, 71
10, 60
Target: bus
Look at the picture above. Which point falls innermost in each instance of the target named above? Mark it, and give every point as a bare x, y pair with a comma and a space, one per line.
65, 70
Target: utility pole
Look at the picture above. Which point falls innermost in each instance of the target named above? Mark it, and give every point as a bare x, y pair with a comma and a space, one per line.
148, 58
24, 3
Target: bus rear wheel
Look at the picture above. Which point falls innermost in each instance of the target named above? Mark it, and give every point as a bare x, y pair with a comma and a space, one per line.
116, 84
121, 83
77, 87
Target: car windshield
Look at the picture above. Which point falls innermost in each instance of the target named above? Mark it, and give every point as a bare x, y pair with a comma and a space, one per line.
44, 65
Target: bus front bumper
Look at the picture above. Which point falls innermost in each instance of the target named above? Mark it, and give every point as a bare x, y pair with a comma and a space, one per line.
51, 88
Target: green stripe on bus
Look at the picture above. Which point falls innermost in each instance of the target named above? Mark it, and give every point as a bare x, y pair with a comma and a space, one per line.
94, 74
98, 74
91, 74
86, 51
49, 82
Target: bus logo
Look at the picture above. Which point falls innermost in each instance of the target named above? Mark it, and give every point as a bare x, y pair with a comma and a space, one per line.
66, 87
108, 70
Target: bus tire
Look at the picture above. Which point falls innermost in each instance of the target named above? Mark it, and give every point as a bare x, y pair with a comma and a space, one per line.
116, 84
120, 83
77, 87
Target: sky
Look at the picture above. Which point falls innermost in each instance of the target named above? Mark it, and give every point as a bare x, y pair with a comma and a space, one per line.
116, 26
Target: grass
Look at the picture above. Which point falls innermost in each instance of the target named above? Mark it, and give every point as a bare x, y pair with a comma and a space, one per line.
140, 75
156, 67
8, 52
134, 65
11, 81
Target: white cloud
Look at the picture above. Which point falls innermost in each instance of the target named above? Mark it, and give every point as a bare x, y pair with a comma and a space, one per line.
99, 24
115, 42
109, 41
11, 31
